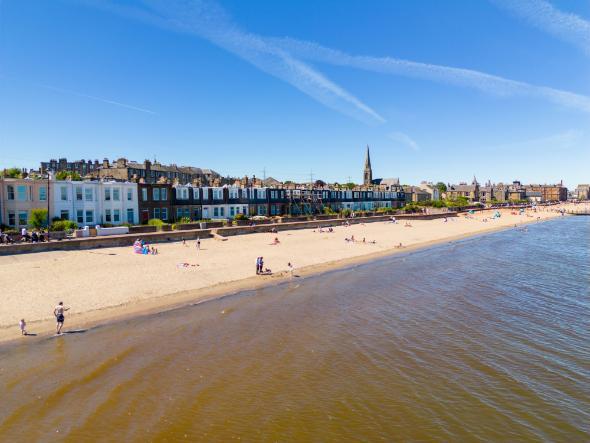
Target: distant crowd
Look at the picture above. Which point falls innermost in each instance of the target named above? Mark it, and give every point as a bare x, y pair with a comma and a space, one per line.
25, 237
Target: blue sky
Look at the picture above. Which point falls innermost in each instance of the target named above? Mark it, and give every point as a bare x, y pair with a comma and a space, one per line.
439, 90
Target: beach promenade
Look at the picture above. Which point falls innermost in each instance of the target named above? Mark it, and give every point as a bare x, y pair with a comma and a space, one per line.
110, 283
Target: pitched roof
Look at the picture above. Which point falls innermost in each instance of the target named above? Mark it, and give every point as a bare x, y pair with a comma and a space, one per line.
462, 188
386, 181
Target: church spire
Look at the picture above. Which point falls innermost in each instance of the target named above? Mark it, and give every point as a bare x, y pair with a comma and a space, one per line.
368, 172
367, 159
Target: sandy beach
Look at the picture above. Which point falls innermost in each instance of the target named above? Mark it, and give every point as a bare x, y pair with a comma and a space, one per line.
110, 283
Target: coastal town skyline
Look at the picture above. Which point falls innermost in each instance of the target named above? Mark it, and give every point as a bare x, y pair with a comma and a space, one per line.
186, 174
191, 94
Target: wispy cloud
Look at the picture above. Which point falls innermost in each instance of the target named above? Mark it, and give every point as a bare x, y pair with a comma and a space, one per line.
404, 139
487, 83
208, 20
543, 15
565, 140
92, 97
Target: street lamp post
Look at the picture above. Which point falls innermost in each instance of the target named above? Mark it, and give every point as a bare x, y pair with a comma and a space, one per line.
48, 200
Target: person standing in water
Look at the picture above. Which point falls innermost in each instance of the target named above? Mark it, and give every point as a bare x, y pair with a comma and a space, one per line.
59, 315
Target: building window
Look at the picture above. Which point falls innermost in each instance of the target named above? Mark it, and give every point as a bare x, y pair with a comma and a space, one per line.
22, 218
164, 213
11, 218
10, 192
64, 214
215, 212
43, 193
144, 194
130, 216
221, 212
182, 193
129, 194
116, 194
89, 217
80, 216
63, 192
107, 215
78, 193
21, 193
179, 213
107, 194
231, 211
156, 212
196, 192
245, 210
117, 216
156, 194
88, 194
217, 194
164, 194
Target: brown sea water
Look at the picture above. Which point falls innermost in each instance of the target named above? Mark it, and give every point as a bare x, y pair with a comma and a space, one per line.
485, 339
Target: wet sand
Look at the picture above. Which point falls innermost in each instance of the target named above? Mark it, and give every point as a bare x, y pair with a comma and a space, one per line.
111, 283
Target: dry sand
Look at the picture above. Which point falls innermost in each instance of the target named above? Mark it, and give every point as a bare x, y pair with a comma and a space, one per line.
103, 284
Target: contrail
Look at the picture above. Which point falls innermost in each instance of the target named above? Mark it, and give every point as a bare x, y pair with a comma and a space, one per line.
209, 21
543, 15
99, 99
487, 83
283, 58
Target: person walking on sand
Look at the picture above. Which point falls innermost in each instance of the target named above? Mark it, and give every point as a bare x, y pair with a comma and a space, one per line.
59, 315
257, 265
198, 243
23, 326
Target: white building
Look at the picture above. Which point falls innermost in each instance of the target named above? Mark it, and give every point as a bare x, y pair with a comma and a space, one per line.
90, 203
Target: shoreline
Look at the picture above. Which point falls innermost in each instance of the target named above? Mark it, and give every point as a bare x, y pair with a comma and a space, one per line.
166, 302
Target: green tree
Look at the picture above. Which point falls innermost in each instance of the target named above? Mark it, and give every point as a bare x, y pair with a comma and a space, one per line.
349, 185
38, 218
65, 175
441, 187
63, 225
12, 173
